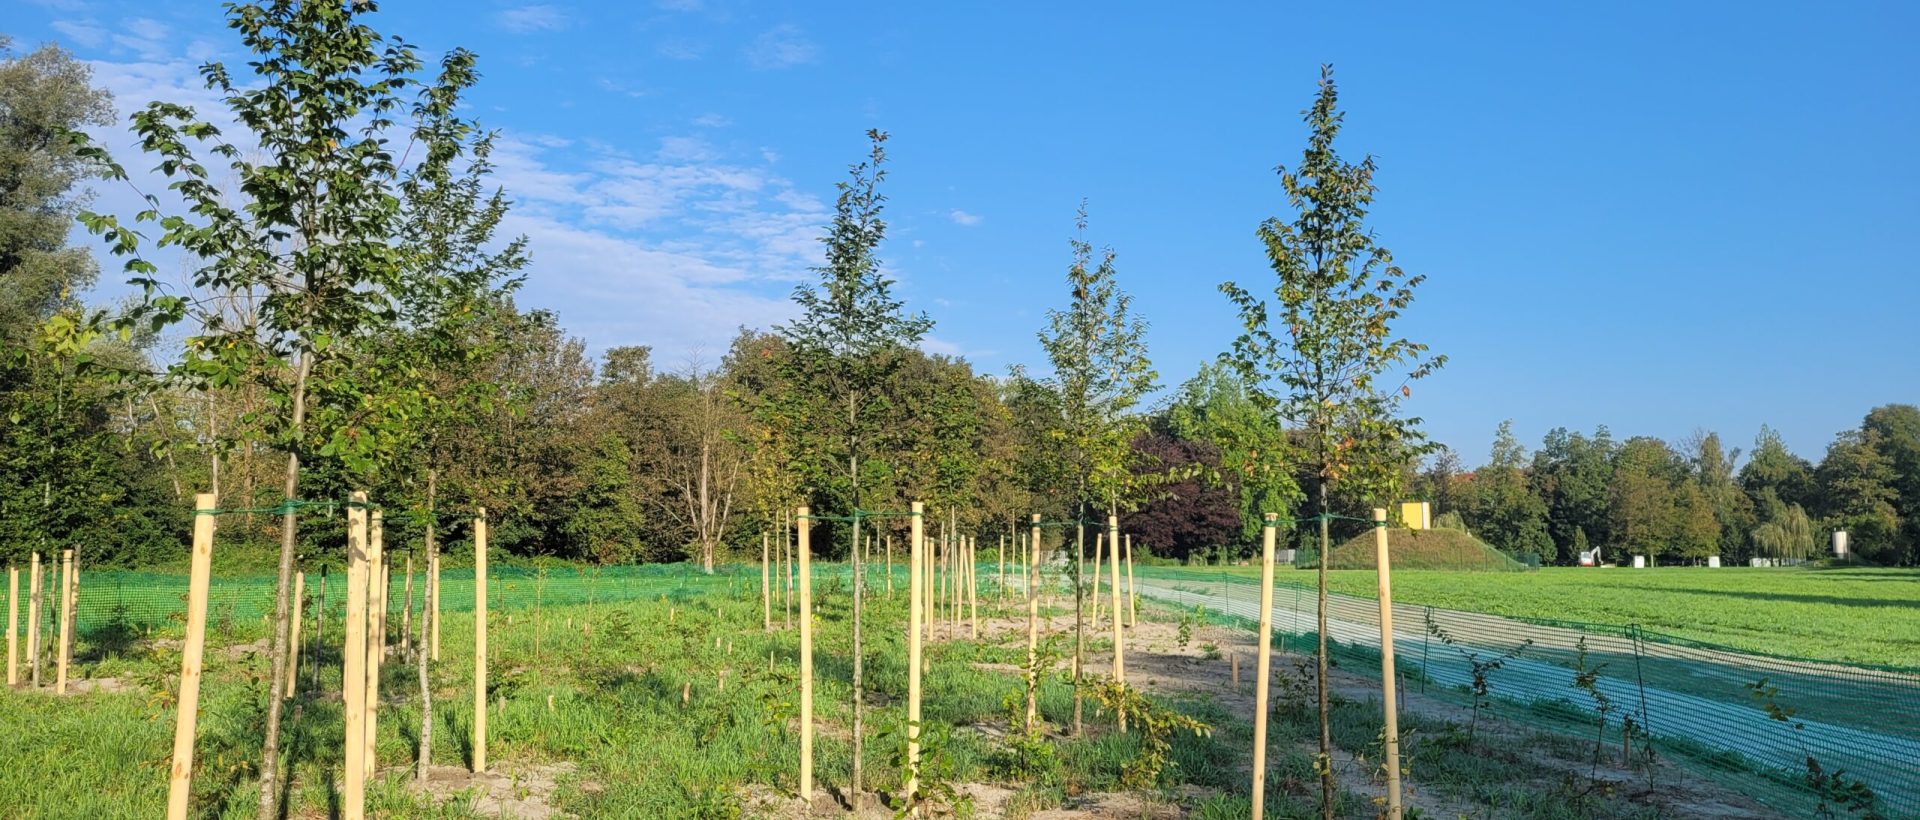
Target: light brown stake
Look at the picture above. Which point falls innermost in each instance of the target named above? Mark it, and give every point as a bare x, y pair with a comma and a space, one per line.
1119, 639
889, 565
187, 712
1099, 556
916, 583
1033, 625
63, 652
766, 583
293, 655
1233, 660
354, 661
1003, 566
973, 586
805, 550
1261, 675
1388, 697
480, 641
406, 611
376, 634
33, 618
433, 594
1133, 593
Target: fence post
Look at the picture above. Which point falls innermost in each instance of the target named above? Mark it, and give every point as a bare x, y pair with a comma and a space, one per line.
915, 590
353, 661
480, 641
1033, 623
1133, 592
806, 653
406, 611
1099, 563
433, 595
766, 583
293, 656
180, 780
1261, 675
1388, 697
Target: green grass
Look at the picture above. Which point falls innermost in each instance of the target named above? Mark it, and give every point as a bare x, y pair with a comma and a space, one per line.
1440, 549
1856, 616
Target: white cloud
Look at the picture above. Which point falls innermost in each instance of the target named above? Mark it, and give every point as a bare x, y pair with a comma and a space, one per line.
617, 87
81, 33
529, 19
681, 49
961, 217
783, 46
712, 121
145, 37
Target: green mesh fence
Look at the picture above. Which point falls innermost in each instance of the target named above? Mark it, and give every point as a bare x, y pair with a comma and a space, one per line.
1700, 704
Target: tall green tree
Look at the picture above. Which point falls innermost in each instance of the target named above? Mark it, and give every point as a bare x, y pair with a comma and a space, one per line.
1572, 473
1506, 511
1643, 518
1322, 353
1214, 407
309, 224
1858, 494
1896, 432
849, 341
1097, 346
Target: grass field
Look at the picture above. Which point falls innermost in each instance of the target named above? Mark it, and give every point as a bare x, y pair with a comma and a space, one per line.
631, 718
1862, 616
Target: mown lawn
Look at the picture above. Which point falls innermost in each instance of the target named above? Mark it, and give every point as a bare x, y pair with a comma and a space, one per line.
1862, 616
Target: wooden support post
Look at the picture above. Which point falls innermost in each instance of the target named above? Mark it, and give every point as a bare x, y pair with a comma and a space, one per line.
1133, 592
973, 585
293, 656
63, 652
1233, 661
1099, 563
406, 611
376, 634
766, 583
1261, 674
1033, 624
354, 662
1389, 697
1003, 566
805, 551
187, 711
1119, 638
13, 625
889, 565
433, 596
916, 549
34, 607
480, 641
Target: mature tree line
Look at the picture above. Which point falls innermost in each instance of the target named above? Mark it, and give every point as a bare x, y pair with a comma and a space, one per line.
1689, 500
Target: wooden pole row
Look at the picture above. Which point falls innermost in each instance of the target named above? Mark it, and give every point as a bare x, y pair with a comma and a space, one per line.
1119, 640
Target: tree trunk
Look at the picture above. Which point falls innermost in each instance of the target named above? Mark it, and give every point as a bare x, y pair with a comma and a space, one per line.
1320, 659
705, 518
289, 520
424, 758
859, 594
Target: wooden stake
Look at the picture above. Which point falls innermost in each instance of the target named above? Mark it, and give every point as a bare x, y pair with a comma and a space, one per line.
299, 605
1389, 700
433, 594
406, 611
804, 551
766, 583
33, 618
376, 634
63, 653
1261, 675
1119, 638
889, 565
1033, 624
1003, 566
915, 590
354, 661
973, 586
1099, 559
187, 712
480, 641
1233, 660
1133, 593
13, 621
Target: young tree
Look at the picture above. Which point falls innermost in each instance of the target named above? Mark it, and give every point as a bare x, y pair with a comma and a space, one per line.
310, 224
1214, 407
1316, 354
847, 344
1100, 372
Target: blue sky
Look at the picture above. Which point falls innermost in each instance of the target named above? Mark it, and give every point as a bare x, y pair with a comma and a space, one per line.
1659, 217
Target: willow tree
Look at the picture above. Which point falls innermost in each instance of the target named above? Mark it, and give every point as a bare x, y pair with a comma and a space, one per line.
310, 223
1321, 355
1097, 346
850, 340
